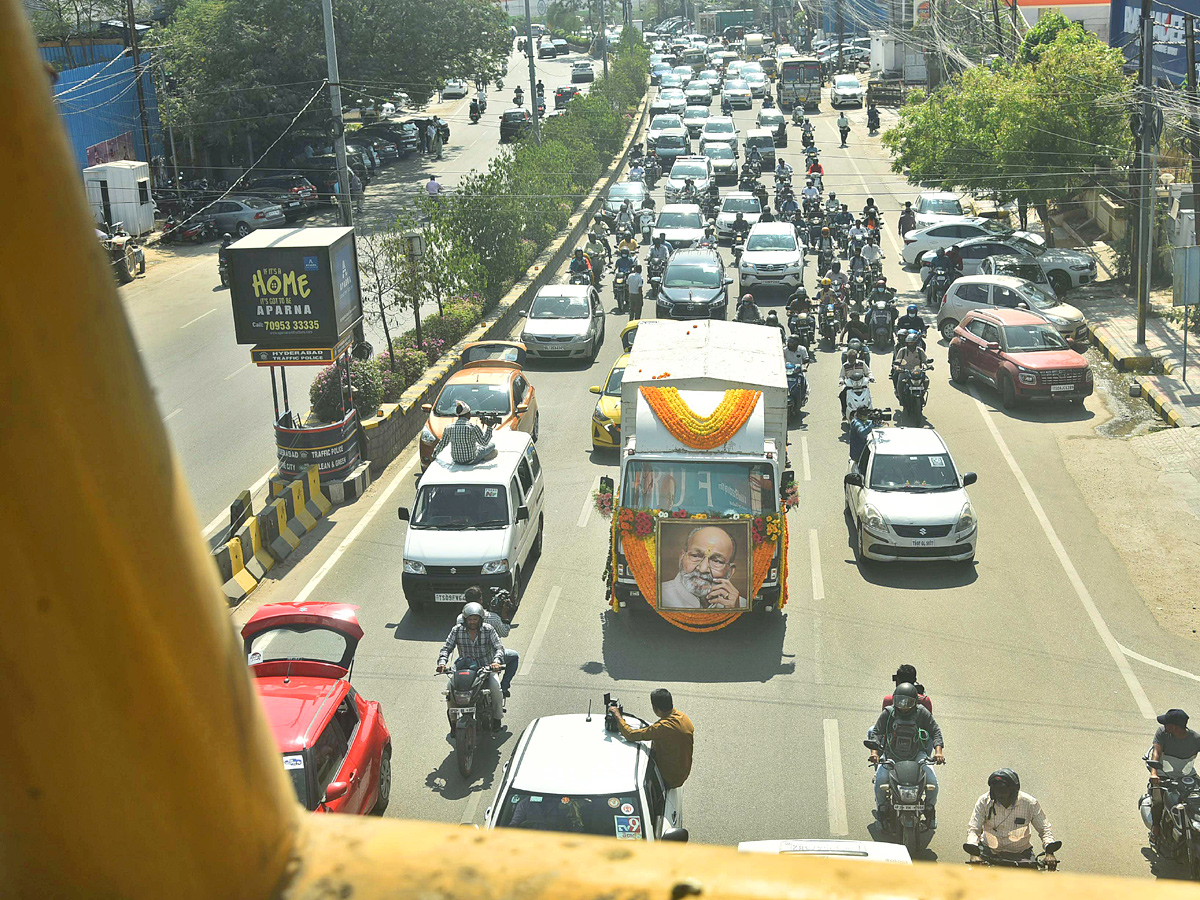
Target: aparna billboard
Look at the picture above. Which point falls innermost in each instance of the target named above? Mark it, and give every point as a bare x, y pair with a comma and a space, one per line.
1170, 52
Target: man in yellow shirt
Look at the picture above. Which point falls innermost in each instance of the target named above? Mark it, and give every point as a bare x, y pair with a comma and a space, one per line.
671, 734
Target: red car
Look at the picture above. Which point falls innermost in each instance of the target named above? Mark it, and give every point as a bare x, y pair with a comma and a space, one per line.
335, 744
1021, 354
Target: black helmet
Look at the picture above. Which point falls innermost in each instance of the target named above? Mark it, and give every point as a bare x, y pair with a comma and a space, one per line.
1004, 785
772, 316
793, 342
905, 699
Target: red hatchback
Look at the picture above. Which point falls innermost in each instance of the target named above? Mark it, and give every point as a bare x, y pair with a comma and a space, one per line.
335, 745
1021, 354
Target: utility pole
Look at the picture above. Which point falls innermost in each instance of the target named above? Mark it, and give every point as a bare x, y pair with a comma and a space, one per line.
999, 33
339, 126
1016, 30
137, 75
603, 38
840, 25
170, 128
532, 54
1189, 31
1143, 257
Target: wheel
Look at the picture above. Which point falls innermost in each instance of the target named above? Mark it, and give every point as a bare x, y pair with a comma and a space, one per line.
909, 839
515, 593
536, 550
536, 422
958, 371
466, 739
863, 559
1008, 393
123, 270
384, 792
947, 328
1060, 281
243, 229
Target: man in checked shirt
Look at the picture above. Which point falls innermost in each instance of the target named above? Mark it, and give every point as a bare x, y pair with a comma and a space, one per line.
478, 642
469, 444
1002, 820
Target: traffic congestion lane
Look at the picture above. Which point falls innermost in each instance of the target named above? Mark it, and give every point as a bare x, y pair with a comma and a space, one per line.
1004, 690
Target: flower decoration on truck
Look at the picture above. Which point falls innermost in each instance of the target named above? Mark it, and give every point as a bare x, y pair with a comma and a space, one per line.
701, 432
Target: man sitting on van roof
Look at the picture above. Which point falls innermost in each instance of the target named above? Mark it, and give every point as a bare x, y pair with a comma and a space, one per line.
469, 444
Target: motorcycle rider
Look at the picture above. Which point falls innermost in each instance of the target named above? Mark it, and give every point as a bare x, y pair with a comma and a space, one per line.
1002, 818
474, 110
911, 320
223, 252
794, 354
660, 250
754, 158
851, 364
1176, 740
908, 219
857, 264
908, 359
810, 191
907, 731
855, 328
828, 294
872, 116
601, 231
747, 311
476, 594
906, 673
782, 169
625, 216
519, 96
872, 253
637, 172
625, 262
541, 88
815, 170
837, 277
789, 207
843, 125
477, 641
857, 233
843, 218
870, 211
772, 321
740, 227
596, 250
580, 265
825, 242
798, 303
628, 242
831, 204
688, 194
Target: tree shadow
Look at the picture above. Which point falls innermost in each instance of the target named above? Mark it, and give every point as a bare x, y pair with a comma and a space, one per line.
445, 780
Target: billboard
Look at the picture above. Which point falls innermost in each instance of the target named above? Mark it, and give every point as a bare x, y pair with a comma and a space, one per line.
1170, 53
294, 288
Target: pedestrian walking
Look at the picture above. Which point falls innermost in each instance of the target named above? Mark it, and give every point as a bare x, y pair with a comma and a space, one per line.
635, 283
437, 143
1023, 212
430, 133
423, 137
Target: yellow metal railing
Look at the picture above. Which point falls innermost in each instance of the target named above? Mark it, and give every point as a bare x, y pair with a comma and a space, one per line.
134, 758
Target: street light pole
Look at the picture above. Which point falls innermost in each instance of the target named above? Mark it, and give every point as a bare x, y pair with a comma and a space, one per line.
531, 53
339, 126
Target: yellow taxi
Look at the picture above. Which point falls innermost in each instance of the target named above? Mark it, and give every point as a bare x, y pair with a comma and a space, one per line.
606, 417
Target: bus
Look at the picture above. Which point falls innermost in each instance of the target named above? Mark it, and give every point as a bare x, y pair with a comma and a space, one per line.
799, 83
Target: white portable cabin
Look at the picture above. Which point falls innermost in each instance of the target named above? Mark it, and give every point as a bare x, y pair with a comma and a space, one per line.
120, 192
705, 357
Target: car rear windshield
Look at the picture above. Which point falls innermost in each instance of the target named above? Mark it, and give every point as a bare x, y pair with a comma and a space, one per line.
770, 119
300, 640
718, 128
634, 190
490, 398
257, 204
691, 275
460, 506
609, 815
921, 472
688, 170
612, 387
514, 117
1031, 338
559, 308
741, 205
719, 151
678, 220
771, 241
662, 123
696, 112
945, 206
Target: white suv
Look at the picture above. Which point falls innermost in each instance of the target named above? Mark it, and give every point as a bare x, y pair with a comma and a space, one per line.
772, 256
568, 774
697, 168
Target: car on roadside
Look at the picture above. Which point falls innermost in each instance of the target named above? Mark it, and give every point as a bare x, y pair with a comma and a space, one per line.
606, 417
973, 292
694, 118
737, 92
682, 223
582, 71
403, 134
847, 90
293, 192
335, 746
772, 257
565, 321
733, 203
694, 285
386, 150
775, 122
922, 241
724, 162
455, 89
696, 168
561, 47
1064, 269
719, 130
241, 215
515, 123
935, 207
907, 501
663, 125
568, 774
491, 380
1020, 354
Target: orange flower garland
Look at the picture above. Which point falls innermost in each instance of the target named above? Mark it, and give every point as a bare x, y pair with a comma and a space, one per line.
702, 432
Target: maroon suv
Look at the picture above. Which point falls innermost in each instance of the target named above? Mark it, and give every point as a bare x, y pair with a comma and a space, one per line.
1019, 353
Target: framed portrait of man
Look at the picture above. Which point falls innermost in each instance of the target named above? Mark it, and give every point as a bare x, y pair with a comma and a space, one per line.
704, 564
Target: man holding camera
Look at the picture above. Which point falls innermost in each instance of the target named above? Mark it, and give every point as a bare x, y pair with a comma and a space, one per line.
469, 444
672, 736
475, 594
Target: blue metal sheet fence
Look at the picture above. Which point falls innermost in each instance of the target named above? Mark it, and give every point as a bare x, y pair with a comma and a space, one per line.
99, 102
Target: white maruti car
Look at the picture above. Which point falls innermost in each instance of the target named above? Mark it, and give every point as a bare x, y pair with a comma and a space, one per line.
908, 501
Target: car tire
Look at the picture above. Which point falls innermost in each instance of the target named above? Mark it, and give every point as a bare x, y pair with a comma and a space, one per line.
384, 793
863, 559
946, 329
533, 435
1008, 392
958, 369
243, 229
535, 551
1060, 282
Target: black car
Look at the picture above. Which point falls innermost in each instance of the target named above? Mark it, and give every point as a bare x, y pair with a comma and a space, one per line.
694, 286
322, 171
422, 124
515, 123
402, 134
295, 193
565, 95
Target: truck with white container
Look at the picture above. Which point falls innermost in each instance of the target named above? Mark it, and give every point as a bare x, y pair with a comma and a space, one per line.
699, 508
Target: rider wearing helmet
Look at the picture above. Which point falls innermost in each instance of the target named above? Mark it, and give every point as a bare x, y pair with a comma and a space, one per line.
772, 321
825, 241
836, 275
908, 359
747, 310
1002, 819
810, 191
911, 319
851, 363
476, 594
856, 329
907, 731
476, 642
226, 240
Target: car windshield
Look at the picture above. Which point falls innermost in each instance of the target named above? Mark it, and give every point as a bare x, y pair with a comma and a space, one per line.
922, 472
678, 220
662, 123
293, 764
490, 398
460, 506
696, 112
670, 142
1037, 297
301, 640
1028, 246
713, 488
770, 118
941, 206
736, 84
688, 170
634, 190
771, 241
551, 307
612, 387
1032, 338
741, 204
599, 814
719, 151
991, 226
256, 204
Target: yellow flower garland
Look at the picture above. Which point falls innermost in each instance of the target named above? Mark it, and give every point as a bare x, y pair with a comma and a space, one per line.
702, 432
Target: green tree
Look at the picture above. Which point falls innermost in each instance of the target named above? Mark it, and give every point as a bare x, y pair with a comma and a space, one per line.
1052, 28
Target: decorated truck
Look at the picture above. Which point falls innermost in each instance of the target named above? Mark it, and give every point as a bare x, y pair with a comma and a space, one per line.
699, 528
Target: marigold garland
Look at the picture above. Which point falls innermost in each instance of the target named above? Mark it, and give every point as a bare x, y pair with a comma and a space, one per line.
702, 432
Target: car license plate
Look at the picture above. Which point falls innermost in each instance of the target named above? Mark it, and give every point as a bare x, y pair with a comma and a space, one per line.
447, 598
292, 203
1055, 388
923, 542
907, 807
556, 348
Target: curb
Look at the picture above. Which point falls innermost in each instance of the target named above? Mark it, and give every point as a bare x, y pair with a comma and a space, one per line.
1118, 356
1160, 404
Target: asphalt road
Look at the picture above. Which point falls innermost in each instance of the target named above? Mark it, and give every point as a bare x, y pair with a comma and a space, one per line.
1023, 652
218, 406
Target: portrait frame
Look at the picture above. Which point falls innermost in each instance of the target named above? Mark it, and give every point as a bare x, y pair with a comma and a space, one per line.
674, 536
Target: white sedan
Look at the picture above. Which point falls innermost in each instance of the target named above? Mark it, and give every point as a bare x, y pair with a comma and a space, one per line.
907, 500
920, 241
846, 91
936, 207
757, 80
455, 88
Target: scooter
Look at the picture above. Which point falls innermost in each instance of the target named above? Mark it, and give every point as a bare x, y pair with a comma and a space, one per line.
223, 269
621, 290
475, 115
912, 392
879, 324
469, 710
906, 791
645, 224
857, 384
797, 383
985, 856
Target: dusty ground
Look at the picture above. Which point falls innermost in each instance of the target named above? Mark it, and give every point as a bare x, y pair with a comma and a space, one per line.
1142, 479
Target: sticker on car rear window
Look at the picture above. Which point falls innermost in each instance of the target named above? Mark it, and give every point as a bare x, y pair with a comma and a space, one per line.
627, 809
294, 761
937, 462
491, 493
629, 828
614, 802
255, 658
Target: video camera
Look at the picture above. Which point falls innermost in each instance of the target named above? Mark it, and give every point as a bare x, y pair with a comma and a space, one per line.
610, 720
490, 418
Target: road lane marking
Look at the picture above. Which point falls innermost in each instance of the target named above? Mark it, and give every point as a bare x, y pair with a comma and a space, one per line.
588, 504
356, 531
804, 457
198, 318
172, 414
238, 371
1114, 649
1156, 664
835, 785
814, 552
468, 816
222, 517
543, 624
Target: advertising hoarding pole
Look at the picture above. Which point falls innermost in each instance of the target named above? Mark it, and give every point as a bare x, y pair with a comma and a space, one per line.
339, 127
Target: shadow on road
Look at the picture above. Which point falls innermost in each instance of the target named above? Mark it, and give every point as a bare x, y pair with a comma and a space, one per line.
924, 854
1164, 867
445, 780
639, 644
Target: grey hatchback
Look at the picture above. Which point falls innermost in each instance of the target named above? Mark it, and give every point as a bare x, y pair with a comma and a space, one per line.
242, 215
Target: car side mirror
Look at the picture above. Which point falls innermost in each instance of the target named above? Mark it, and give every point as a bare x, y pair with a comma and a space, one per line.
522, 513
993, 346
522, 408
675, 834
728, 280
969, 478
336, 790
853, 479
595, 389
427, 407
403, 513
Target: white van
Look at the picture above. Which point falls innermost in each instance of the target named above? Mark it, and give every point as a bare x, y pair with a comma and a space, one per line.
474, 525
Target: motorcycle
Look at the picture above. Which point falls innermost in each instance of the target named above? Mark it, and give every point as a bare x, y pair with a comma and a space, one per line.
863, 351
858, 391
469, 711
981, 855
738, 244
858, 292
830, 325
597, 269
797, 383
621, 290
906, 790
912, 391
879, 323
824, 261
872, 123
803, 326
476, 115
806, 139
1179, 821
653, 171
223, 269
935, 288
798, 115
656, 266
645, 224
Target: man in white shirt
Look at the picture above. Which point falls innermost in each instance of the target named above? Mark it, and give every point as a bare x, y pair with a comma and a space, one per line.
432, 188
1003, 817
634, 284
